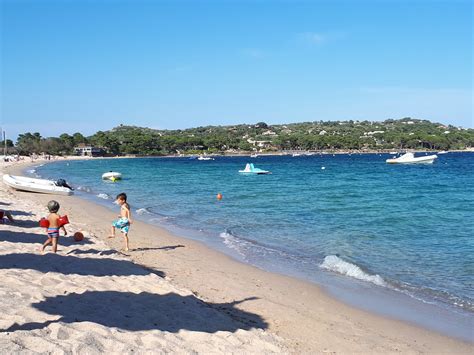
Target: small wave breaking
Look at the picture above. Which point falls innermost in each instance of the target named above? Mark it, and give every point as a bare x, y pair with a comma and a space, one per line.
336, 264
142, 211
83, 188
232, 242
104, 196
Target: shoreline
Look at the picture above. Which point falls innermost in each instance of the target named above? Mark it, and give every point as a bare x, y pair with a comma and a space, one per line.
296, 310
289, 153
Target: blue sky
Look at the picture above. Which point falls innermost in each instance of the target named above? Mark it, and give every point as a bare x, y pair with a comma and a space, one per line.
70, 66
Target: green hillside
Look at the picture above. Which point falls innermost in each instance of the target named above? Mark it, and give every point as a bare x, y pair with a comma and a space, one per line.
406, 133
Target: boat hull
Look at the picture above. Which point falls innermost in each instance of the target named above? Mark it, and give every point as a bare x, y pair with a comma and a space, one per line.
43, 186
263, 172
419, 160
112, 176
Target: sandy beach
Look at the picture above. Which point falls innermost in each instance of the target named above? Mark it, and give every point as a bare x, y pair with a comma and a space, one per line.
168, 294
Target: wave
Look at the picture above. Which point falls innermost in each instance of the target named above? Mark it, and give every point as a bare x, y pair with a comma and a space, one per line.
142, 211
83, 188
233, 242
104, 196
336, 264
253, 250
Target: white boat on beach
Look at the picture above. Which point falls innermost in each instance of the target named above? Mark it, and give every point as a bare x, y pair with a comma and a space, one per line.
112, 176
409, 158
24, 183
250, 169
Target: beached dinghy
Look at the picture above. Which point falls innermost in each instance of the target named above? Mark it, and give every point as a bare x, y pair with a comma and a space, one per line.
112, 176
43, 186
250, 169
409, 158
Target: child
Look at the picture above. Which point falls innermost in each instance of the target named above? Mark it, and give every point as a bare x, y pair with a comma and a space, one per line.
124, 220
54, 226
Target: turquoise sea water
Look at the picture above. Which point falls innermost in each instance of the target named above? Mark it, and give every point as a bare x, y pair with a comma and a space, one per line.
404, 228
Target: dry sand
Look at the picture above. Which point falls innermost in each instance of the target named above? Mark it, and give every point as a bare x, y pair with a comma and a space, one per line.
169, 294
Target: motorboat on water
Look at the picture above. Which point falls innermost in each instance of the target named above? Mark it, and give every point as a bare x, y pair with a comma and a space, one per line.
23, 183
202, 157
442, 152
250, 169
409, 158
112, 176
294, 155
255, 155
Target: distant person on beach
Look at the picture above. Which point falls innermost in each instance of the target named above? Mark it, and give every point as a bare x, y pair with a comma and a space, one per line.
54, 226
124, 220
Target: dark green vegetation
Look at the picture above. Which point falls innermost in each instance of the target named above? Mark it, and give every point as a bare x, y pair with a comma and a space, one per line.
406, 133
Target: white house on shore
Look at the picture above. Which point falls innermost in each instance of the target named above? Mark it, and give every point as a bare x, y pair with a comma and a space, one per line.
88, 150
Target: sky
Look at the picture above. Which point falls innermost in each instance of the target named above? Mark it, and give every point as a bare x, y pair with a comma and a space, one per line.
85, 65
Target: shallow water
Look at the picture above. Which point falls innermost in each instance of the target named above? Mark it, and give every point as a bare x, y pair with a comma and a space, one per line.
407, 228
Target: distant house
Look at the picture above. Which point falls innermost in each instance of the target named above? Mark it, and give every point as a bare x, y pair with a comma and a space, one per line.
88, 150
261, 144
375, 132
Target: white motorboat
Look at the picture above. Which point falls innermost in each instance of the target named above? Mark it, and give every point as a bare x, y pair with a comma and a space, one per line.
205, 158
443, 152
24, 183
255, 155
409, 158
112, 176
250, 169
294, 155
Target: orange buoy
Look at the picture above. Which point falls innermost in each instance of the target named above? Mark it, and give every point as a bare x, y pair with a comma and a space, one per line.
219, 196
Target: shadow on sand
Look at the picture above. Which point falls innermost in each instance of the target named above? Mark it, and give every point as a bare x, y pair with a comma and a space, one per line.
21, 213
166, 248
92, 251
71, 265
145, 311
21, 237
26, 223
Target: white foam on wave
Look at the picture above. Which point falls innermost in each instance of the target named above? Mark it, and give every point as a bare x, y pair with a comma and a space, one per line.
336, 264
142, 211
104, 196
83, 188
232, 242
31, 171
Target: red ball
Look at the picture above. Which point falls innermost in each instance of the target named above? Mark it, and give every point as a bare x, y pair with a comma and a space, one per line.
78, 236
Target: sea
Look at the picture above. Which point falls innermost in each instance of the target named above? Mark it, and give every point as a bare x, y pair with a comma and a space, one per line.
393, 239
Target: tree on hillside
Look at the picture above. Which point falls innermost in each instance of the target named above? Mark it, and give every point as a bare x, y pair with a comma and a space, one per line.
29, 143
